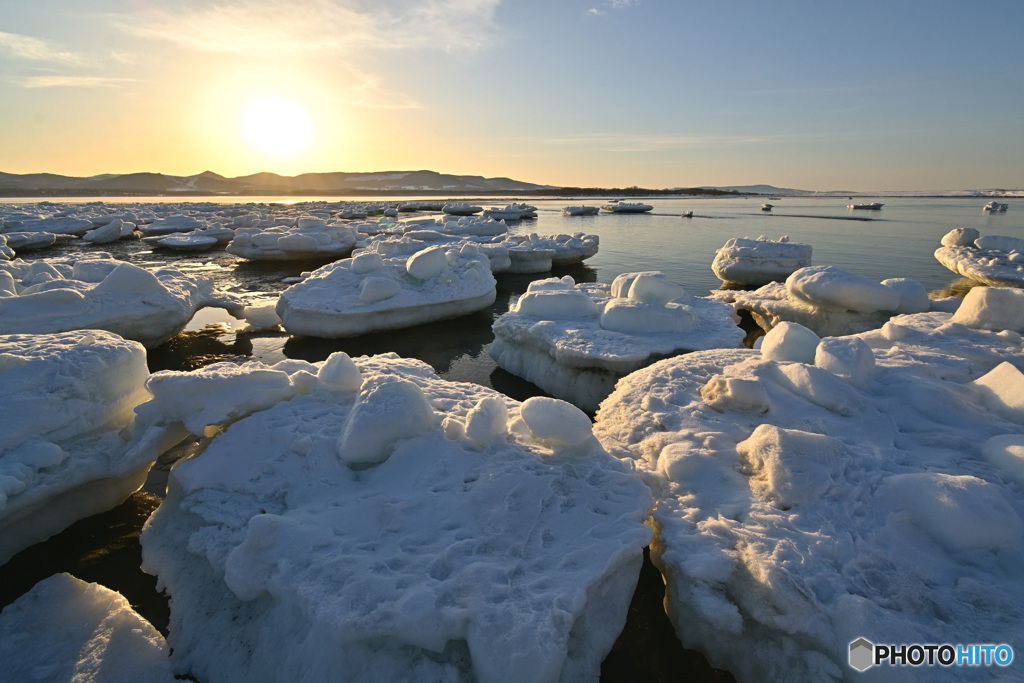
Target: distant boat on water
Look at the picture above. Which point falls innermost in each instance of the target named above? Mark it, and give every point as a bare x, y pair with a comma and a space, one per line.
627, 207
581, 210
766, 207
995, 207
872, 205
687, 214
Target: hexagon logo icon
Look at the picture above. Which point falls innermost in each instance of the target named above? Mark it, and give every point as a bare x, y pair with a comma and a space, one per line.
862, 654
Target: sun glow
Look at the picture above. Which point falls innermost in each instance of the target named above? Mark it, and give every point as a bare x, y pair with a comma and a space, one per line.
277, 126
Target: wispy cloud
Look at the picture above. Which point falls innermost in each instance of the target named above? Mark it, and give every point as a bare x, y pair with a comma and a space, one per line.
613, 4
303, 27
55, 81
34, 49
652, 142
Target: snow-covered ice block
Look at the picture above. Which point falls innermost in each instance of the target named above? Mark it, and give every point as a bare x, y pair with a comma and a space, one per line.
433, 284
829, 301
758, 262
575, 341
992, 308
170, 224
27, 241
307, 240
797, 513
1002, 390
64, 451
65, 629
993, 260
98, 292
487, 543
790, 341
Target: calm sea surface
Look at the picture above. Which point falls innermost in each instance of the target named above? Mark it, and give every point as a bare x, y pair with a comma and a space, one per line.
897, 241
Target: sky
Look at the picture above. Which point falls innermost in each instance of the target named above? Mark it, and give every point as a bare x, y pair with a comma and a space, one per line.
806, 94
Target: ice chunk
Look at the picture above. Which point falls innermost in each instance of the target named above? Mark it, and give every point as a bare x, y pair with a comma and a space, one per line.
758, 262
556, 423
65, 629
961, 513
427, 264
374, 289
339, 373
366, 262
913, 297
833, 286
992, 308
732, 393
960, 237
557, 304
847, 357
1006, 451
789, 466
487, 419
650, 288
1002, 390
386, 411
623, 315
790, 342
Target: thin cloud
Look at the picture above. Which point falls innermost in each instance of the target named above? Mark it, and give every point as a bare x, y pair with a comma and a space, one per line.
71, 82
613, 4
265, 28
613, 142
34, 49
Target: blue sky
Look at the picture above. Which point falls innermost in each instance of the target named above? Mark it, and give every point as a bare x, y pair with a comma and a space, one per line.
810, 94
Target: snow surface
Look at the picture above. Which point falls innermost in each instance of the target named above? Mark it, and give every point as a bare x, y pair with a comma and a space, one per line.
63, 452
832, 301
96, 291
992, 260
575, 341
65, 629
369, 293
758, 262
383, 524
872, 493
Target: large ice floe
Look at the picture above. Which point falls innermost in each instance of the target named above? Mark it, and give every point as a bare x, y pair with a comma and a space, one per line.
100, 638
96, 291
309, 238
833, 301
369, 293
757, 262
994, 260
365, 520
819, 491
575, 341
65, 452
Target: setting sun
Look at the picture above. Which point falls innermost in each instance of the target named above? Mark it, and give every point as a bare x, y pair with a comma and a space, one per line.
277, 126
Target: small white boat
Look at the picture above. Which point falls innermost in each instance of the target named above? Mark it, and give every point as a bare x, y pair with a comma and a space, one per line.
627, 207
872, 205
461, 209
766, 207
687, 214
581, 210
995, 207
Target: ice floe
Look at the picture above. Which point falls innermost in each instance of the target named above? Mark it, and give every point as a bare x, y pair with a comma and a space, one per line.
757, 262
383, 524
64, 451
65, 629
832, 301
310, 238
993, 260
575, 341
369, 293
96, 291
871, 491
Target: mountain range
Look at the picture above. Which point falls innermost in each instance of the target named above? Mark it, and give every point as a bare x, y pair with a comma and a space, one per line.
206, 183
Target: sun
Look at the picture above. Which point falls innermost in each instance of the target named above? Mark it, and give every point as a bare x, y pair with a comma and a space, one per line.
277, 126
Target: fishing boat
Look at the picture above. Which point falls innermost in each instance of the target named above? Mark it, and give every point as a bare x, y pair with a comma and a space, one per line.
627, 207
995, 207
687, 214
872, 205
766, 207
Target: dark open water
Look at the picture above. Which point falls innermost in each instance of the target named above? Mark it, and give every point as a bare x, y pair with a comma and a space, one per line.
897, 241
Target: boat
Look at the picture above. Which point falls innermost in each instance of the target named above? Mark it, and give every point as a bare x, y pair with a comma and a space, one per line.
766, 207
687, 214
581, 210
995, 207
872, 205
627, 207
461, 209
